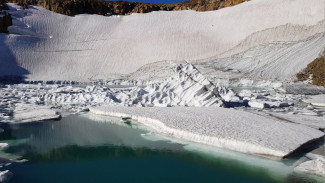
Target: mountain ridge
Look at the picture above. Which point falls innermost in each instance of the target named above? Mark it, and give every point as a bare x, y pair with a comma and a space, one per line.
108, 8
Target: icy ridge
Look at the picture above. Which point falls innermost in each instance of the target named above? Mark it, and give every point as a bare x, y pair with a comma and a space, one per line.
188, 88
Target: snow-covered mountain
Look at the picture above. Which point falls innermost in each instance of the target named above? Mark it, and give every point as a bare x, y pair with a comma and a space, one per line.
43, 45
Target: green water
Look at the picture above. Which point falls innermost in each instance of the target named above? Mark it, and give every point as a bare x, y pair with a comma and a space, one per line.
92, 149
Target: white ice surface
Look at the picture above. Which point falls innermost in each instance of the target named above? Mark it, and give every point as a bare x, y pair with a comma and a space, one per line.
306, 89
267, 104
32, 112
316, 100
314, 121
188, 87
316, 165
3, 145
5, 175
226, 128
278, 60
47, 46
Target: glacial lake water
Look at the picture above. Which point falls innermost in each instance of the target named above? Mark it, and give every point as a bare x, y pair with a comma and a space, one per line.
88, 148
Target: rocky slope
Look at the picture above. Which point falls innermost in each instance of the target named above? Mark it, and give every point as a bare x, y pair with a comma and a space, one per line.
5, 19
74, 7
315, 71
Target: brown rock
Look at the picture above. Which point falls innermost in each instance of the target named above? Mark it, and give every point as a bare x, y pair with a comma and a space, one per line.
5, 19
317, 69
74, 7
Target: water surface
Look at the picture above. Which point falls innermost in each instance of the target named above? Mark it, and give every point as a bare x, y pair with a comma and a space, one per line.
86, 148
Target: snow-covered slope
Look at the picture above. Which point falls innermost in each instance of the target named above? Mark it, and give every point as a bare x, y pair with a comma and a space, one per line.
280, 60
47, 46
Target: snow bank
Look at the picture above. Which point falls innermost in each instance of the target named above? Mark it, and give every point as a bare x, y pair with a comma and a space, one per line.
225, 128
316, 165
49, 46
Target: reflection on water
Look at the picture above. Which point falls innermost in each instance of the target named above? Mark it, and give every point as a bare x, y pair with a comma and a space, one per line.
94, 149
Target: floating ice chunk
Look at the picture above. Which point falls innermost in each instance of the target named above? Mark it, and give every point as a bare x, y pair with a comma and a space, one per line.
221, 127
3, 145
5, 175
317, 100
316, 165
257, 104
32, 112
267, 104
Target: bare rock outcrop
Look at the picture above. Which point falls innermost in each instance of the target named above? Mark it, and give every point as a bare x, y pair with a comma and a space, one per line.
315, 71
206, 5
75, 7
5, 18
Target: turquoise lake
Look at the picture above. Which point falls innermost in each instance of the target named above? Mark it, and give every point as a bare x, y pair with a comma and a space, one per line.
87, 148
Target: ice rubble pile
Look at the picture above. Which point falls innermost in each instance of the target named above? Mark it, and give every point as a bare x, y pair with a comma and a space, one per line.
189, 88
262, 99
217, 126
